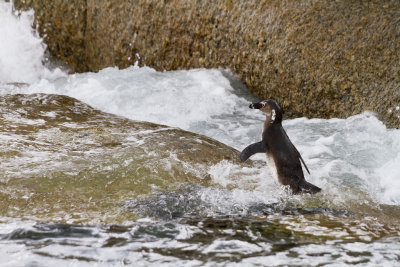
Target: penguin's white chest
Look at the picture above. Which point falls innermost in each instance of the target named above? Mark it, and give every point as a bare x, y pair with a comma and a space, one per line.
272, 166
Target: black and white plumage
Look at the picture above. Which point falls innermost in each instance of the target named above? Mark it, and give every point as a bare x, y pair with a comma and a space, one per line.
283, 158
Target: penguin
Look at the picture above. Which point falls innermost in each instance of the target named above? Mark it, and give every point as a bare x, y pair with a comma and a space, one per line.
283, 158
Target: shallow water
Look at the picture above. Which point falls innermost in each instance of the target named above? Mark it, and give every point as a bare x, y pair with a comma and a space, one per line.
241, 217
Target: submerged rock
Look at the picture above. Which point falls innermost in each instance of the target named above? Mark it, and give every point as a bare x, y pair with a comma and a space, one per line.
61, 160
318, 58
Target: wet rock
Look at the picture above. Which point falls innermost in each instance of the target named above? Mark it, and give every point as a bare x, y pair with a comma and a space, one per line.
318, 58
61, 160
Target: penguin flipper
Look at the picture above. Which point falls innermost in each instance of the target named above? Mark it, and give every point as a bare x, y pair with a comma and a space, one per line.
259, 147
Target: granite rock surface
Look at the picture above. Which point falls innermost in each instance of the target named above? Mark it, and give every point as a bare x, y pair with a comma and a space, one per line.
318, 58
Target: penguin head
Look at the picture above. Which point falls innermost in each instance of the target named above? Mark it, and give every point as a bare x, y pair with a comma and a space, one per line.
271, 108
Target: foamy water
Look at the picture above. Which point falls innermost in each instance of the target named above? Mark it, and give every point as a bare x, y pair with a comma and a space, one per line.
355, 160
341, 153
22, 51
357, 151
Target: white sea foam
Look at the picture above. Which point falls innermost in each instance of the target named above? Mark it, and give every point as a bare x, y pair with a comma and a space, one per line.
354, 159
22, 51
349, 158
389, 181
199, 100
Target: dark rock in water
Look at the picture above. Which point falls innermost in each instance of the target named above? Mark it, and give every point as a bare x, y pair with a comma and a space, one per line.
62, 160
317, 58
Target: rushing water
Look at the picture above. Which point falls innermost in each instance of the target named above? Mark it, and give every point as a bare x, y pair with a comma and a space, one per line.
243, 217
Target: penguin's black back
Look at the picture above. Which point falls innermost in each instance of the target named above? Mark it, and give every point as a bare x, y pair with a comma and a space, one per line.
287, 160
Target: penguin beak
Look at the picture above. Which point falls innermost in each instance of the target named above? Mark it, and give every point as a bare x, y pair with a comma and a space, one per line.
257, 105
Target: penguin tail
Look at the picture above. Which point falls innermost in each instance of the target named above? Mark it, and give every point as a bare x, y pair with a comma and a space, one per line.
307, 187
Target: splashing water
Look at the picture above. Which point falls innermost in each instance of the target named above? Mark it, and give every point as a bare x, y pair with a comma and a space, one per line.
22, 51
245, 217
358, 153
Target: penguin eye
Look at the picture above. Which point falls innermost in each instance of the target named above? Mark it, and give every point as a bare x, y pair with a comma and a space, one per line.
273, 116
